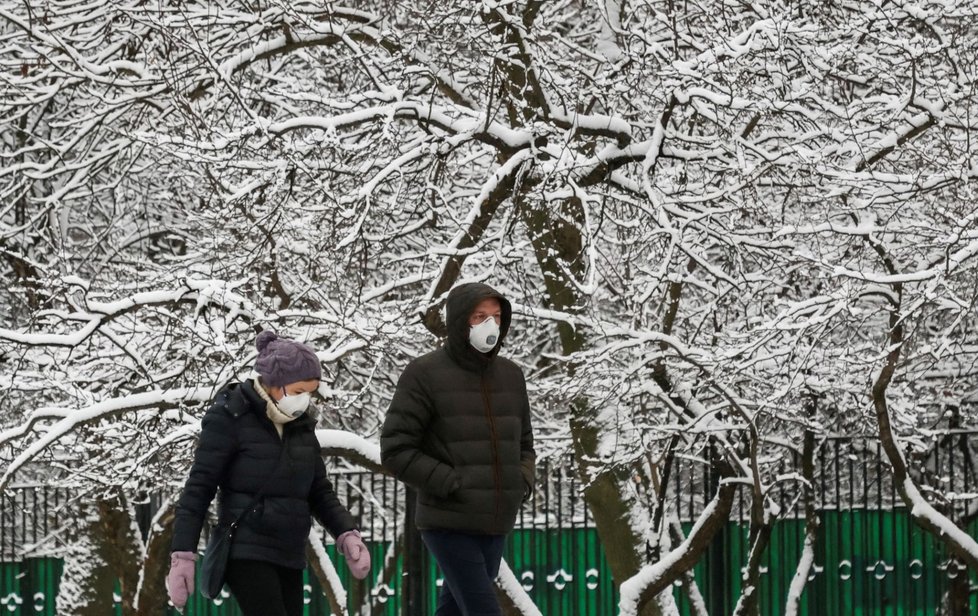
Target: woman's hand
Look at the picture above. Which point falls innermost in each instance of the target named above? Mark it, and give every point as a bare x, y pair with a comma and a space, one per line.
180, 579
357, 556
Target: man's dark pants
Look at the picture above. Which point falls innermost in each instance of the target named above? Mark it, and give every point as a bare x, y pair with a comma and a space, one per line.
469, 564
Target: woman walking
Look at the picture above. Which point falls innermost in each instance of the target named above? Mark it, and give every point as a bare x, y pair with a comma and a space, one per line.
258, 451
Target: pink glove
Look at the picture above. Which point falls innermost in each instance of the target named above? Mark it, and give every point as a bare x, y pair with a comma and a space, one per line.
180, 579
356, 553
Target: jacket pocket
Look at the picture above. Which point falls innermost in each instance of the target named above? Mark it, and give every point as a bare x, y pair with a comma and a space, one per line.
286, 519
439, 450
255, 518
442, 484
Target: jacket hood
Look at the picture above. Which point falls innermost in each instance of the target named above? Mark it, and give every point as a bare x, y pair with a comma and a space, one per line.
462, 300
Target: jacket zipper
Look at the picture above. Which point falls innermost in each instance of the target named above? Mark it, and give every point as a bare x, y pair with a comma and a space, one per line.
496, 480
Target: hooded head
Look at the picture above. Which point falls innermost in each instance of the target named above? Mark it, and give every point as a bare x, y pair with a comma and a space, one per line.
282, 361
462, 300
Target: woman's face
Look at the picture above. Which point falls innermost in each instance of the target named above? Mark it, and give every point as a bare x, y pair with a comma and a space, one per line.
294, 389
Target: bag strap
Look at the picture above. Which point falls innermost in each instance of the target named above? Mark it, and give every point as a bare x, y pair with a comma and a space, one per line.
261, 491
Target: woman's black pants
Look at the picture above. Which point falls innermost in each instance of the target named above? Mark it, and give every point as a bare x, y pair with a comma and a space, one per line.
264, 589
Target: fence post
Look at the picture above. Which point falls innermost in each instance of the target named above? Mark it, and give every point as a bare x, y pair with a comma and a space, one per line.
414, 579
716, 560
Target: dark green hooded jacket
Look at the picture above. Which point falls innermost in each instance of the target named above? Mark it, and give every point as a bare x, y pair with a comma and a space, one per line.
458, 428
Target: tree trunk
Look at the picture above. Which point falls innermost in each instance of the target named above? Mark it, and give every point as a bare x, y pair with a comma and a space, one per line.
761, 526
747, 604
957, 600
958, 542
639, 592
807, 560
697, 604
120, 547
511, 594
87, 581
555, 233
325, 572
152, 591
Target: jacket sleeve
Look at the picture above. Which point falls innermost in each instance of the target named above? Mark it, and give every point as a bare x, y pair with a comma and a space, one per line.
402, 435
325, 505
528, 456
215, 448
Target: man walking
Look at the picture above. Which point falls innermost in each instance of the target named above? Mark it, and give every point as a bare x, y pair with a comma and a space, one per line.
458, 431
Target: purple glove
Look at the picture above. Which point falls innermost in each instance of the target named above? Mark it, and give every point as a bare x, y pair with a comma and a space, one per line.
356, 553
180, 579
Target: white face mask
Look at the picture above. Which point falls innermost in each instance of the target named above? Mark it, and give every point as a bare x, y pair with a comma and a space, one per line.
296, 405
484, 336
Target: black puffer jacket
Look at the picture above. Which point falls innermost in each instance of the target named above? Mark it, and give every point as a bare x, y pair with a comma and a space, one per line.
458, 428
238, 450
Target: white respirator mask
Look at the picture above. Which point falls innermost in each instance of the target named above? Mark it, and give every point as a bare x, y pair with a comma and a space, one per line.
296, 405
484, 336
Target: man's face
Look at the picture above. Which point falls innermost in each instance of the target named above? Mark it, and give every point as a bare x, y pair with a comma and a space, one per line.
485, 309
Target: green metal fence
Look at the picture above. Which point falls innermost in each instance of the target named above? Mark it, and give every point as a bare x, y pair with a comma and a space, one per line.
870, 558
867, 562
29, 586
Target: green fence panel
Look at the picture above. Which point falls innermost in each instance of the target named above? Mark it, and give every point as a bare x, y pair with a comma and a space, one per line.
866, 563
30, 586
563, 571
875, 563
12, 591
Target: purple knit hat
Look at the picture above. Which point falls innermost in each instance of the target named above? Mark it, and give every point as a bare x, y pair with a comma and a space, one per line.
282, 361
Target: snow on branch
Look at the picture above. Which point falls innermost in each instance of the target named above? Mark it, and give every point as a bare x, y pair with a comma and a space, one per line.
201, 292
493, 191
953, 263
325, 570
493, 133
280, 44
37, 339
944, 528
507, 583
657, 577
916, 125
66, 420
352, 447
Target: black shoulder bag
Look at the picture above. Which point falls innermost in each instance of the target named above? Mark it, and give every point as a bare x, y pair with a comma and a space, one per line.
215, 562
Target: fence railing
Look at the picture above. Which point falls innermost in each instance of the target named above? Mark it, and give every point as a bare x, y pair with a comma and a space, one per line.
870, 558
